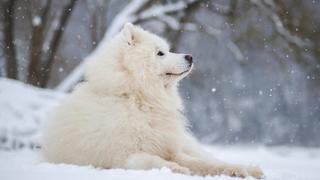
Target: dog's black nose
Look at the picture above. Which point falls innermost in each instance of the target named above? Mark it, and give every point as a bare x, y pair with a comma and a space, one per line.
188, 57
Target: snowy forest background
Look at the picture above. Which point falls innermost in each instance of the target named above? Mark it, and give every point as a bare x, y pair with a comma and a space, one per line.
257, 63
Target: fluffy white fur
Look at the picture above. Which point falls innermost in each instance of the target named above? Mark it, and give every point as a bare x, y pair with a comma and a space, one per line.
127, 114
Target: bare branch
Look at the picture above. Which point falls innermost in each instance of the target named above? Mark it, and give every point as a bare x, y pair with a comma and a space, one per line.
268, 7
220, 9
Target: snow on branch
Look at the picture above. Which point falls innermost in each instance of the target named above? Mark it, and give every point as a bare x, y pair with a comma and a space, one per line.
235, 50
201, 28
170, 21
123, 17
268, 6
159, 10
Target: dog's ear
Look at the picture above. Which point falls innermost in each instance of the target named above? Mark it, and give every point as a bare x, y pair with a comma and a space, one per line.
129, 34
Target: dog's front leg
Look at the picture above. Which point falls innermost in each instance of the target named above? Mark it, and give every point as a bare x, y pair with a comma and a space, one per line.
147, 161
193, 152
203, 168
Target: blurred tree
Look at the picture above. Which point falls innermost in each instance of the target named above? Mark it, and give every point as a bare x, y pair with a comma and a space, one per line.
9, 43
44, 32
40, 64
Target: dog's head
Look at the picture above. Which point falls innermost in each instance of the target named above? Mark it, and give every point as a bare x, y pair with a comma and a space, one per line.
148, 57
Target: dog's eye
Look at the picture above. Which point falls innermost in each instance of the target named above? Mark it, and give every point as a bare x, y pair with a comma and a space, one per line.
160, 53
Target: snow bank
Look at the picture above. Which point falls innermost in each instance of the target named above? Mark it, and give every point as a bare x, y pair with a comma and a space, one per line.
23, 108
278, 164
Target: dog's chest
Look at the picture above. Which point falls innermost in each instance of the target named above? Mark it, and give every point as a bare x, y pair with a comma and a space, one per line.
160, 133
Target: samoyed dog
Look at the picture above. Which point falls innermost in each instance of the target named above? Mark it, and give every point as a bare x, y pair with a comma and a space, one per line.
128, 113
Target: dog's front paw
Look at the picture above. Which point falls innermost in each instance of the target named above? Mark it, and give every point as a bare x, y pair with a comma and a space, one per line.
255, 172
179, 169
235, 171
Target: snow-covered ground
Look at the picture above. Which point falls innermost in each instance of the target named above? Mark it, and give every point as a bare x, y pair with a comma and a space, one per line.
24, 108
277, 163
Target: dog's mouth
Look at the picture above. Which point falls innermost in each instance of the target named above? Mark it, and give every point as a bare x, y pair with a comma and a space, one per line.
177, 74
181, 73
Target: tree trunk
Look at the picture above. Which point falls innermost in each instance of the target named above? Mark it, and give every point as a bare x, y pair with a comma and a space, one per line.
53, 47
9, 46
37, 37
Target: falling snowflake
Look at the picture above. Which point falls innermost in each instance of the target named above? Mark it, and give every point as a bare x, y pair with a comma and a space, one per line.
36, 21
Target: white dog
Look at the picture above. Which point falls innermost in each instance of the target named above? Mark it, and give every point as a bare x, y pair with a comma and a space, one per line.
127, 114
